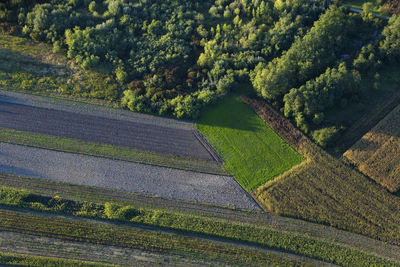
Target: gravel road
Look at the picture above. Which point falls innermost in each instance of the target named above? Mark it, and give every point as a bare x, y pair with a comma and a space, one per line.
138, 135
127, 176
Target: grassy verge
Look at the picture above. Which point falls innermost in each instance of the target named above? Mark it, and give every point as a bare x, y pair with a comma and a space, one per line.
251, 150
108, 151
263, 236
138, 238
39, 261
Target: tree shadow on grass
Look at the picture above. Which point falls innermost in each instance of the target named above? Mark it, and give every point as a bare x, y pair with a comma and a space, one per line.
231, 113
15, 62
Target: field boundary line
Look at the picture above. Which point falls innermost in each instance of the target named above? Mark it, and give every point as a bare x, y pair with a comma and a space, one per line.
284, 128
207, 146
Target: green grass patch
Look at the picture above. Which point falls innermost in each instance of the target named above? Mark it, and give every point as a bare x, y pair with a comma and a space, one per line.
109, 151
39, 261
251, 150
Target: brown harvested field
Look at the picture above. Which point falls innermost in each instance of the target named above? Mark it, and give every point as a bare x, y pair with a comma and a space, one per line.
377, 153
325, 190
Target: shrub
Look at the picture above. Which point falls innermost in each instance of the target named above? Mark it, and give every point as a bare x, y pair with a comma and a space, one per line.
325, 136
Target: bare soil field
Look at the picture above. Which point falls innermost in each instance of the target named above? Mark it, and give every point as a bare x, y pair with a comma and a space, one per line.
376, 154
99, 129
127, 176
326, 190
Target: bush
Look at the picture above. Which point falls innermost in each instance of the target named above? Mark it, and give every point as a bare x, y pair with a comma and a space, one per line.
115, 212
325, 136
185, 107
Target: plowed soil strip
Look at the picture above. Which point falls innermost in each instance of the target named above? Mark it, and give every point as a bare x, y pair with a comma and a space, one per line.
104, 130
60, 103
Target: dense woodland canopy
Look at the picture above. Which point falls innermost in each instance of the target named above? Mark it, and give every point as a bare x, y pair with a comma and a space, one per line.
173, 57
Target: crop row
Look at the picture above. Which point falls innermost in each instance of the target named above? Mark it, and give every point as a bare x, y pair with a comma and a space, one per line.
137, 135
137, 237
248, 233
79, 193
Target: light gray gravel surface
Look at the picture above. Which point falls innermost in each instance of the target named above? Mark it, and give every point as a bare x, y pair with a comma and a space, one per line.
91, 109
127, 176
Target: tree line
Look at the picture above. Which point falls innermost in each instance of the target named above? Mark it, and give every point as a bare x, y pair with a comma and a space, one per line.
173, 57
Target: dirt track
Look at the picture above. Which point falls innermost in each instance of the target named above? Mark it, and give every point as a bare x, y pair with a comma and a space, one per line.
100, 129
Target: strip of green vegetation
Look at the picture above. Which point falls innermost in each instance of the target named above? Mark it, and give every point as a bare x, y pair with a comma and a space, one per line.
39, 261
191, 223
109, 151
251, 150
139, 238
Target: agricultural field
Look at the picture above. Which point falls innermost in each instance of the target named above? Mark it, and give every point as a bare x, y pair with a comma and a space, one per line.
109, 151
141, 136
128, 176
192, 133
365, 122
251, 150
376, 153
216, 225
142, 238
325, 190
